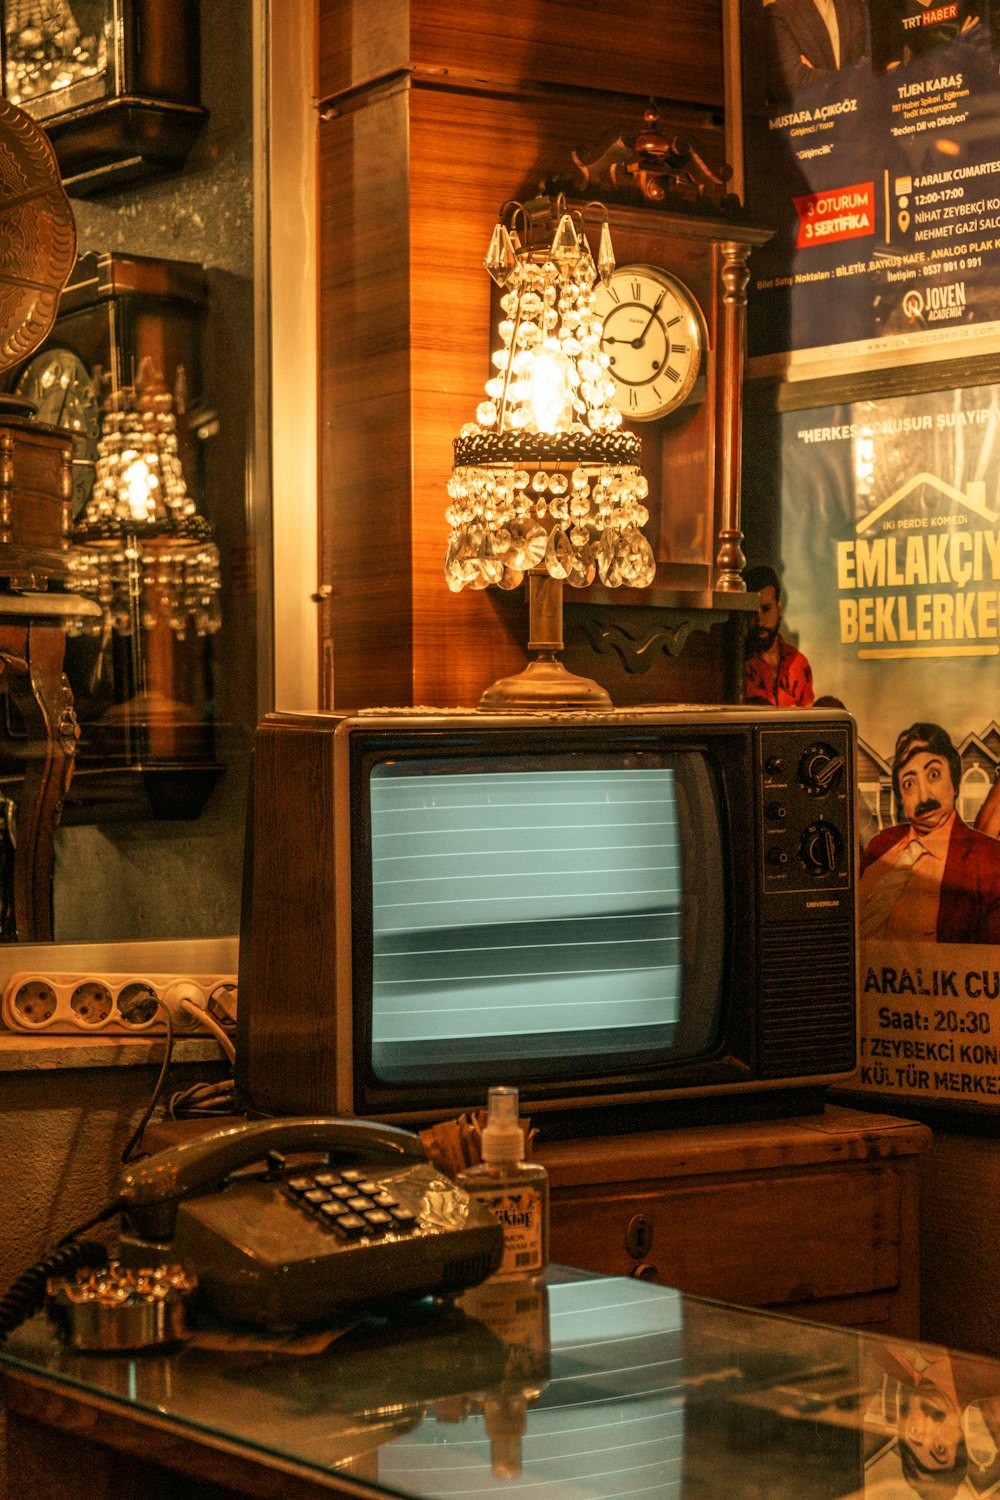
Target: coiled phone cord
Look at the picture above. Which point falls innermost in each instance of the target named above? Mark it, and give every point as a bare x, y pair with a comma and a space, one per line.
26, 1294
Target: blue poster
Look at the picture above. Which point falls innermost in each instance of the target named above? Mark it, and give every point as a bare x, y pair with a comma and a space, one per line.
871, 148
891, 548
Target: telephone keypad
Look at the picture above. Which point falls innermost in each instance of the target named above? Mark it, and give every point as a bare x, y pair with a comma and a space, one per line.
351, 1225
350, 1203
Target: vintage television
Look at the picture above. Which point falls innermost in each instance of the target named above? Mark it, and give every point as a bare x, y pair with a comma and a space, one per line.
639, 916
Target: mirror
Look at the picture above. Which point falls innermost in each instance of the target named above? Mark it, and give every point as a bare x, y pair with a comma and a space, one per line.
167, 299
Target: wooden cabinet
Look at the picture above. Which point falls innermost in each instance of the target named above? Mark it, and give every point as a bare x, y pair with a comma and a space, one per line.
815, 1216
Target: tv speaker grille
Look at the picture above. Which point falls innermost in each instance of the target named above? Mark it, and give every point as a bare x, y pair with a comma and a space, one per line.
808, 1015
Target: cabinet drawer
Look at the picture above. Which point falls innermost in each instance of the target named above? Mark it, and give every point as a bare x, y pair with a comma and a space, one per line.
756, 1240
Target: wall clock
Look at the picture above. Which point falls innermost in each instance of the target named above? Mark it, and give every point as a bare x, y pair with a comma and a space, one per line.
115, 312
678, 232
653, 337
61, 389
115, 82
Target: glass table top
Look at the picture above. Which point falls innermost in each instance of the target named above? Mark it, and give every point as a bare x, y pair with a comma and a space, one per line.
582, 1388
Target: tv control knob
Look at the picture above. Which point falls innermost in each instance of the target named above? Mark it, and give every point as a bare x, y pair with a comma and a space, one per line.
776, 811
774, 765
821, 847
777, 857
821, 769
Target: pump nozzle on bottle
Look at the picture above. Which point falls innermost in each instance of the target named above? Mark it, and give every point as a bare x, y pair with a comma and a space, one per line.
517, 1191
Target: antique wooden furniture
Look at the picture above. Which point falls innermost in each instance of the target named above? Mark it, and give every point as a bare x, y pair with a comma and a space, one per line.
35, 487
147, 745
590, 1386
816, 1216
32, 647
36, 481
116, 85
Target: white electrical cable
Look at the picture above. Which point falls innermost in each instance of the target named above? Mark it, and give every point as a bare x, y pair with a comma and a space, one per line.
204, 1019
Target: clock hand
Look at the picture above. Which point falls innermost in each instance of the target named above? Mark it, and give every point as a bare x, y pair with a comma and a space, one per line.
62, 405
638, 343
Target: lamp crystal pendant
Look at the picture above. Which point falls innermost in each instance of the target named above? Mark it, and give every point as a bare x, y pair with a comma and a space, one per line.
544, 479
140, 547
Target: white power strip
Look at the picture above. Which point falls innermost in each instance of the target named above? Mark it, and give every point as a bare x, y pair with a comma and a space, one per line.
125, 1004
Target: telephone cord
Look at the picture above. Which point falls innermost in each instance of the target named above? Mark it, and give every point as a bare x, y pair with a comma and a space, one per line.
26, 1294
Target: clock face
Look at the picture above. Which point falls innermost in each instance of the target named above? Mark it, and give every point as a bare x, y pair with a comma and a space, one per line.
60, 386
653, 338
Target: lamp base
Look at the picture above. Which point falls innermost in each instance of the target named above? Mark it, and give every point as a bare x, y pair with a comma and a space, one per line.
545, 683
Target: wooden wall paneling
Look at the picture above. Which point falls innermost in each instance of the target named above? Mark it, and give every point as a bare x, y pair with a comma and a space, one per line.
365, 413
418, 150
458, 180
412, 182
639, 47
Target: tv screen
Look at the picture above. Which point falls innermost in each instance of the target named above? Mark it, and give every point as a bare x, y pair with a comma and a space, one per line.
537, 909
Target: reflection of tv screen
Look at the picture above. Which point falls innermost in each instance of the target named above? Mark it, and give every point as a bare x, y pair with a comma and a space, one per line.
610, 910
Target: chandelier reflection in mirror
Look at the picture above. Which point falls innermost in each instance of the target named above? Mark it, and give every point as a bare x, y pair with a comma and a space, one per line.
140, 547
545, 485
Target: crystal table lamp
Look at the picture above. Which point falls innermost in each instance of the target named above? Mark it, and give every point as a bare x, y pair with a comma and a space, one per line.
545, 485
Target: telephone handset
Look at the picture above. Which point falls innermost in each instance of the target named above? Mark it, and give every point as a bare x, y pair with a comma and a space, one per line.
360, 1217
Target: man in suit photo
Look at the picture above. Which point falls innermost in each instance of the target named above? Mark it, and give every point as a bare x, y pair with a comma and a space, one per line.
931, 878
807, 40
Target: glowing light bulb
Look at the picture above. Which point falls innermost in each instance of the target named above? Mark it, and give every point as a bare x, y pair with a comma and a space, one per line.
138, 484
551, 392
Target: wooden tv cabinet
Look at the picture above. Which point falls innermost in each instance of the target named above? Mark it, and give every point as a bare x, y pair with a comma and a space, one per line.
815, 1216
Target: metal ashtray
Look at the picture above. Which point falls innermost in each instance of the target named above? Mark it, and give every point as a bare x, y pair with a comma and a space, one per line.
118, 1310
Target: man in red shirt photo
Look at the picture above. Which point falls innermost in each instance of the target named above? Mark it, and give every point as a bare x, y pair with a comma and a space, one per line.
776, 671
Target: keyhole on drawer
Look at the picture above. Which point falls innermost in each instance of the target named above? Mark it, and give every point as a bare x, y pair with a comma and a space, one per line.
639, 1236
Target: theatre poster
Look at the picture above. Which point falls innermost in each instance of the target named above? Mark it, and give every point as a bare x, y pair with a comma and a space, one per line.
890, 541
881, 180
878, 168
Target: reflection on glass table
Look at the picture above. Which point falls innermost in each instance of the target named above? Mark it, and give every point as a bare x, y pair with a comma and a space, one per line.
582, 1387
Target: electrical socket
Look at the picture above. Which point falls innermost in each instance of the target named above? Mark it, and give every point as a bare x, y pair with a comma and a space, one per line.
119, 1004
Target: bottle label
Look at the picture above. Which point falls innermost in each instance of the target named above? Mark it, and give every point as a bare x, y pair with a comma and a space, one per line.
520, 1212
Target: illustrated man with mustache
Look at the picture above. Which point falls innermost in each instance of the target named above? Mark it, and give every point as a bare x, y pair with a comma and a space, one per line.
931, 878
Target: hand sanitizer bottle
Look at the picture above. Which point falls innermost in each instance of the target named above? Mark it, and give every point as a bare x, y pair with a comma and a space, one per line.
517, 1191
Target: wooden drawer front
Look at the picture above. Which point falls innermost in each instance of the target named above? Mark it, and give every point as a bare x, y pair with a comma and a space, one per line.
794, 1239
